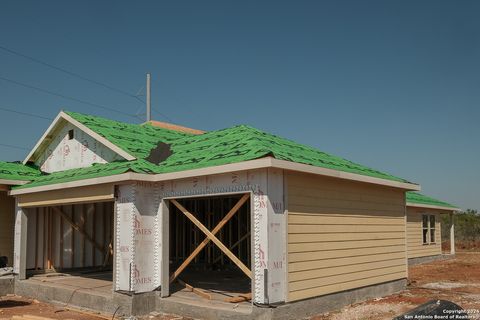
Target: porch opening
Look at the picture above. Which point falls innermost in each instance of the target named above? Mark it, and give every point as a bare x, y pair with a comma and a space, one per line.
205, 268
71, 245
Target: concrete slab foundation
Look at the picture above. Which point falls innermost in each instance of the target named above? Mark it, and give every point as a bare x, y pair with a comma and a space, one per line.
295, 310
335, 301
421, 260
6, 285
141, 304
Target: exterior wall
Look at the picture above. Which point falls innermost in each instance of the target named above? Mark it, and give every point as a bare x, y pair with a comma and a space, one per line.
145, 253
415, 245
342, 235
82, 151
7, 221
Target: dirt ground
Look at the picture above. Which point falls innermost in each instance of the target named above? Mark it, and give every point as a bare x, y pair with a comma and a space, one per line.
456, 280
12, 305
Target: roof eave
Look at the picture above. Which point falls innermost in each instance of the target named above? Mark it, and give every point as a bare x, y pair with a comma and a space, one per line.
10, 182
267, 162
430, 206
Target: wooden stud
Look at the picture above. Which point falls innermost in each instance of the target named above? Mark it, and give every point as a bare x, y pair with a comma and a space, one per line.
45, 238
76, 227
212, 237
234, 245
240, 298
61, 241
94, 253
36, 238
197, 291
82, 225
104, 228
219, 226
72, 238
50, 261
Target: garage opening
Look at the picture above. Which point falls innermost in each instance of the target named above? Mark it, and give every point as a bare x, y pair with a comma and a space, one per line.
71, 245
210, 248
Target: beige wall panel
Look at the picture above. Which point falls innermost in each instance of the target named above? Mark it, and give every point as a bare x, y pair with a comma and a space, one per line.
95, 193
415, 245
311, 218
316, 237
344, 277
319, 246
7, 221
317, 291
323, 272
342, 235
321, 255
340, 262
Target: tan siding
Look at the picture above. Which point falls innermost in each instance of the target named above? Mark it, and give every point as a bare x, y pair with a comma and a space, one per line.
342, 235
415, 245
7, 218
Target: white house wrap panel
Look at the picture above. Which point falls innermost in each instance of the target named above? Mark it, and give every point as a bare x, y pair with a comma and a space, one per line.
125, 245
267, 218
69, 152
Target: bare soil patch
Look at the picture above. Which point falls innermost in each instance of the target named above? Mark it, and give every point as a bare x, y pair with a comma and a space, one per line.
456, 280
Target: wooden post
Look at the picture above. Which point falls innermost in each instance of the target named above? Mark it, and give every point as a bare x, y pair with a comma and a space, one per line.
72, 238
61, 240
36, 237
452, 233
82, 225
94, 253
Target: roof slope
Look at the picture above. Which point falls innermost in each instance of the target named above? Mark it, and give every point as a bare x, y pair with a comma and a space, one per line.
418, 198
135, 139
242, 143
231, 145
17, 171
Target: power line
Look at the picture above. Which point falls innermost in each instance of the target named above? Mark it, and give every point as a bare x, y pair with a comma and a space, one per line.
163, 115
76, 75
73, 74
66, 97
25, 113
13, 147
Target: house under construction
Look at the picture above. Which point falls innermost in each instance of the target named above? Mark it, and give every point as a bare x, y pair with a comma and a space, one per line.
128, 219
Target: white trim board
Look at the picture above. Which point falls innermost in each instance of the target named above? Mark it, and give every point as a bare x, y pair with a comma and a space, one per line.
62, 116
429, 206
13, 182
267, 162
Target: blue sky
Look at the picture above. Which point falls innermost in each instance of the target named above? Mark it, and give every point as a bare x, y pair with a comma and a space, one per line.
390, 84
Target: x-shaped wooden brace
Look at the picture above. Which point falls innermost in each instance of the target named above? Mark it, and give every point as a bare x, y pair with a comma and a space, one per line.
211, 237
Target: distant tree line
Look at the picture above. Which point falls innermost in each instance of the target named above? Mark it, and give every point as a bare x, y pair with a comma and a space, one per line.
467, 228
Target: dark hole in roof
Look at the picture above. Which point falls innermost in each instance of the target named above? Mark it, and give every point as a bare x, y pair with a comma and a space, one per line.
160, 153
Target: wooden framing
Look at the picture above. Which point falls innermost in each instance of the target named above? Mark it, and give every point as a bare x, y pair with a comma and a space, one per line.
76, 227
211, 237
70, 236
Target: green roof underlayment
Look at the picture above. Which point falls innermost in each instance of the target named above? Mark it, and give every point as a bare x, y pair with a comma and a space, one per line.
137, 140
231, 145
418, 198
17, 171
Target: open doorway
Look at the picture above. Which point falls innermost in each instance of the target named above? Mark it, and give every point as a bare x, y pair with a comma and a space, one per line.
210, 248
71, 245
